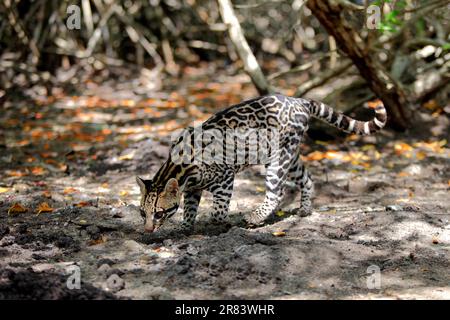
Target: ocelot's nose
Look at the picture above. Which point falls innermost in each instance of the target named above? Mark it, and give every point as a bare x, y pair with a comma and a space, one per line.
149, 227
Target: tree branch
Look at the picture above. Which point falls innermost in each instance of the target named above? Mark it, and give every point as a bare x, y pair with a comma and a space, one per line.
251, 65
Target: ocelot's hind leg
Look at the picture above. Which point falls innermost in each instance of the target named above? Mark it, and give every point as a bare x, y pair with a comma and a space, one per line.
276, 175
299, 175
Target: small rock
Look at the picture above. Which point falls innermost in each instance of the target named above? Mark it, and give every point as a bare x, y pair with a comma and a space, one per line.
115, 283
105, 261
104, 268
117, 213
193, 251
412, 208
37, 256
4, 230
357, 185
43, 267
133, 246
413, 169
93, 231
105, 226
183, 246
21, 187
394, 207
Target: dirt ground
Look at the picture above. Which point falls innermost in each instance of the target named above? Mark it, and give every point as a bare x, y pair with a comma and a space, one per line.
382, 203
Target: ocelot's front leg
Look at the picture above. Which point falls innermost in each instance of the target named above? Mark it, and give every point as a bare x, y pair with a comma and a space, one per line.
222, 192
191, 201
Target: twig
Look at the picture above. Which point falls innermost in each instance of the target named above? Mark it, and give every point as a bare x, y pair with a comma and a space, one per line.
136, 35
300, 68
243, 49
256, 5
320, 80
87, 15
97, 32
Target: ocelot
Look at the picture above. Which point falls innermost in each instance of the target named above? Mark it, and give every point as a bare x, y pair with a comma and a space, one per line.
266, 130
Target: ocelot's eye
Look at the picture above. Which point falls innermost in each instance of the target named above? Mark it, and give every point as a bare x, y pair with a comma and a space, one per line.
158, 215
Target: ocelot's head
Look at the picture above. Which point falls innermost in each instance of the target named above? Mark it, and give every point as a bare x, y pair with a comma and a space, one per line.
158, 202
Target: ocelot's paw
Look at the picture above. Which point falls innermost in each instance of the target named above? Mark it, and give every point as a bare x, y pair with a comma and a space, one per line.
218, 219
254, 219
301, 212
185, 229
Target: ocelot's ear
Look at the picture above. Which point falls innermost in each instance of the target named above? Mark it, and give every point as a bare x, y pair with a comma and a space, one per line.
143, 184
172, 187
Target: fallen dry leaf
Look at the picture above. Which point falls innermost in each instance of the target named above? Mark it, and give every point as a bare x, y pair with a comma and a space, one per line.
46, 194
17, 208
279, 233
280, 213
82, 204
69, 190
315, 156
3, 189
123, 193
431, 105
420, 155
260, 189
402, 148
100, 240
127, 157
37, 171
15, 173
43, 207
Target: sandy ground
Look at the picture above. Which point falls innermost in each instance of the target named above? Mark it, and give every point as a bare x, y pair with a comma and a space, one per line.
391, 218
380, 226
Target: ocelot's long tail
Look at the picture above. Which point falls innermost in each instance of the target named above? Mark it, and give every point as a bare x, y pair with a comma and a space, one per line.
348, 124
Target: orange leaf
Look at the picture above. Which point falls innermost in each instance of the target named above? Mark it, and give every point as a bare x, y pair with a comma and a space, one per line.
279, 233
420, 155
402, 147
431, 105
128, 103
37, 171
15, 173
44, 207
82, 204
69, 190
17, 208
315, 156
47, 194
101, 240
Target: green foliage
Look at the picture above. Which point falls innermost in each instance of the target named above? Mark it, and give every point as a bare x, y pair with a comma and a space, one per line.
393, 19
